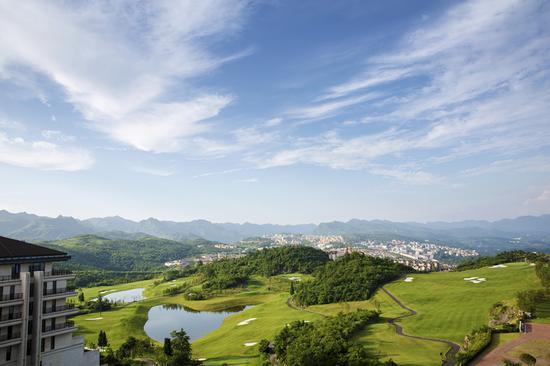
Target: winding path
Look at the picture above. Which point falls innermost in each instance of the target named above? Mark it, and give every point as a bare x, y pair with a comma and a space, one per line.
454, 348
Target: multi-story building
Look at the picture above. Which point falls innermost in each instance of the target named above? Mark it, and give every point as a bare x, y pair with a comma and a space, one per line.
35, 329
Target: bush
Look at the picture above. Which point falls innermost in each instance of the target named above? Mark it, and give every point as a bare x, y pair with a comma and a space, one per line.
474, 343
527, 359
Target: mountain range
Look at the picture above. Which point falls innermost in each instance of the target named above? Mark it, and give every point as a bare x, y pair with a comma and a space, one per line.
525, 229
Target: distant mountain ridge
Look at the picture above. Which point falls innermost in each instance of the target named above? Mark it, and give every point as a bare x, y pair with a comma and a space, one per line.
31, 227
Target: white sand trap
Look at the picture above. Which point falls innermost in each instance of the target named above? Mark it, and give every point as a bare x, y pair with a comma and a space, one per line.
476, 281
409, 279
246, 322
105, 291
295, 278
307, 321
93, 319
499, 266
532, 264
202, 359
470, 278
482, 279
250, 344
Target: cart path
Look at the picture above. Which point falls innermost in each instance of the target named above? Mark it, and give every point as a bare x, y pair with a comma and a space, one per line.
495, 356
453, 347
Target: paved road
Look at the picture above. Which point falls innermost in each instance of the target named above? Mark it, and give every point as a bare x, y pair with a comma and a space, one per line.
535, 332
454, 348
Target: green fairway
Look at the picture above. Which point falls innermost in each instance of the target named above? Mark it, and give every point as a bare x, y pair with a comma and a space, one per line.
449, 307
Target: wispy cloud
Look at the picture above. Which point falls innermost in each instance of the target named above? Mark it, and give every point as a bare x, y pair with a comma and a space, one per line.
153, 171
42, 155
248, 180
471, 95
125, 86
329, 109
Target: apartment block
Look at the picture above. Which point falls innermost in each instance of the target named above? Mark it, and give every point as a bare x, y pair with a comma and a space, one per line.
35, 329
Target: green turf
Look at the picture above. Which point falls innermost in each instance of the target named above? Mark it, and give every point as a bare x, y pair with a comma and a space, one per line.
449, 307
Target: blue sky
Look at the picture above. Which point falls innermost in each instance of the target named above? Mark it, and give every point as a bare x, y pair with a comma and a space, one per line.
275, 111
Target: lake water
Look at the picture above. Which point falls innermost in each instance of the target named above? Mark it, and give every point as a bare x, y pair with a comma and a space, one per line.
163, 319
127, 296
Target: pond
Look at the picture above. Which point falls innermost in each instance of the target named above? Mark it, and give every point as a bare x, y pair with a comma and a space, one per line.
163, 319
127, 296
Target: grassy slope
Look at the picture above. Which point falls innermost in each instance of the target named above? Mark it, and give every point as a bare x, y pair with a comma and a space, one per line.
449, 307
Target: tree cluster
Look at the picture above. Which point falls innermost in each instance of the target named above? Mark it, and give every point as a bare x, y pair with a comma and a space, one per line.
351, 278
324, 343
229, 273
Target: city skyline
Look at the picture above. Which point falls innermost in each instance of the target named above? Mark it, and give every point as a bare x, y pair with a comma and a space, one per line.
278, 112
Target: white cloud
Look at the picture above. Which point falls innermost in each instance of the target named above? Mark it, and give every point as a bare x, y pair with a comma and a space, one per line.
58, 136
153, 171
481, 87
273, 122
42, 155
248, 180
118, 63
328, 109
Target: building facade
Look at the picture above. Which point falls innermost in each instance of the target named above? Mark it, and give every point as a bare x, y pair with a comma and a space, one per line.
35, 329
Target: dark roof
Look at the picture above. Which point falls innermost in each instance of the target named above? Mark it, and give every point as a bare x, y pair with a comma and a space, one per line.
12, 250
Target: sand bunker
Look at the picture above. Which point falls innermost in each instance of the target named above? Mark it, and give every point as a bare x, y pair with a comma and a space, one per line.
246, 322
250, 344
499, 266
201, 359
295, 278
409, 279
105, 291
475, 279
93, 319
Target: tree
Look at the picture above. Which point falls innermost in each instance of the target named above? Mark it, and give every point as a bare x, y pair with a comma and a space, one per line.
264, 347
168, 351
180, 343
527, 359
102, 339
292, 288
81, 296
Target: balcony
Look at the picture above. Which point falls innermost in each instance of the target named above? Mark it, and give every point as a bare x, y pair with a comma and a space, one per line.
63, 310
11, 297
58, 273
59, 292
68, 326
10, 339
9, 317
10, 278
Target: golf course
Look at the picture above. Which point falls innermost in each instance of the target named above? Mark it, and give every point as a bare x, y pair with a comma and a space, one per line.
447, 307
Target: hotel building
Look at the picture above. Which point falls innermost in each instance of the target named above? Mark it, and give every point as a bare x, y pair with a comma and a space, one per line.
35, 329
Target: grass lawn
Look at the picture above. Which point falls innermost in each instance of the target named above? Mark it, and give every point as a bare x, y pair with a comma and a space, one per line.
449, 307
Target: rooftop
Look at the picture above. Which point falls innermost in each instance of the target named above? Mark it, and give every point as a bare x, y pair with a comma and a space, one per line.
12, 250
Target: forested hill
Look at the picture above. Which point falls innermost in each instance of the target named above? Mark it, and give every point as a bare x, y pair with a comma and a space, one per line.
139, 254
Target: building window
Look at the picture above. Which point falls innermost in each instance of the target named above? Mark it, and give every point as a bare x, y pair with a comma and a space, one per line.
8, 353
29, 347
43, 345
52, 342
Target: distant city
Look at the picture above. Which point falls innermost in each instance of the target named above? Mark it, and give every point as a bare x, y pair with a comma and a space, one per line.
422, 256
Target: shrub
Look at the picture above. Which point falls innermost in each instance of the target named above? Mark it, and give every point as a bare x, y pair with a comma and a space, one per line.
527, 359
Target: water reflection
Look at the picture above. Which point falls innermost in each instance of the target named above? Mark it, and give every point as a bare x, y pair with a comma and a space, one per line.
163, 319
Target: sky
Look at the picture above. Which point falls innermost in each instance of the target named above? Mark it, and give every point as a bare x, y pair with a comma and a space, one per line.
275, 111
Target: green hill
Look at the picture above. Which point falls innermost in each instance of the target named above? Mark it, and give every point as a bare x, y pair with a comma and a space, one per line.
140, 254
